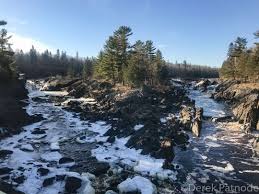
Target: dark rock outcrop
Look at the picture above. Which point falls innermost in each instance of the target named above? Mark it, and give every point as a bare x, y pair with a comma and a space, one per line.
72, 184
243, 100
12, 115
43, 171
4, 153
48, 181
124, 108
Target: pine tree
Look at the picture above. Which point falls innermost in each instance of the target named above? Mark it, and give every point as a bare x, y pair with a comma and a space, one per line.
121, 37
7, 65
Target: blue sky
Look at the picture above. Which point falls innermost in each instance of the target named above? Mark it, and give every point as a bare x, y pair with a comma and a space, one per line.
198, 31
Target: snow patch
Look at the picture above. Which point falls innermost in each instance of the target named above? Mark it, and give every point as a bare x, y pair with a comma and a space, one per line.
51, 156
137, 184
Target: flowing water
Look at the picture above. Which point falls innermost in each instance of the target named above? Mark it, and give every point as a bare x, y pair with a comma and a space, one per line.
220, 158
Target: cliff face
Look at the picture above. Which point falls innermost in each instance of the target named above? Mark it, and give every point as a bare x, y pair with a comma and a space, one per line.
12, 114
244, 100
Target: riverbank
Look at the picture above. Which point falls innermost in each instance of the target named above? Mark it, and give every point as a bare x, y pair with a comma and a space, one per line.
243, 99
13, 115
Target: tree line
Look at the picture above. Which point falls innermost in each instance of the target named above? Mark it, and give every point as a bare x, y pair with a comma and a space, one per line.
38, 65
189, 71
242, 63
119, 62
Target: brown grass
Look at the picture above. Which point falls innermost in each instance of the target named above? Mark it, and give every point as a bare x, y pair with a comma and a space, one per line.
247, 86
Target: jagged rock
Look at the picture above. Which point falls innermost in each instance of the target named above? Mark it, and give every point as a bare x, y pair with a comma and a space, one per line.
57, 84
196, 127
5, 170
72, 184
38, 131
202, 85
4, 153
244, 102
43, 171
144, 105
48, 181
256, 144
19, 179
60, 177
223, 119
247, 110
65, 160
8, 188
111, 139
197, 123
99, 168
186, 116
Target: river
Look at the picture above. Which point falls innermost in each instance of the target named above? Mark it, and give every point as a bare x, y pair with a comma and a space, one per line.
220, 158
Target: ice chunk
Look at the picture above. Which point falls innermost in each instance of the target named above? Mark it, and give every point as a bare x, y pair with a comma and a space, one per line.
54, 146
27, 147
137, 127
51, 156
137, 184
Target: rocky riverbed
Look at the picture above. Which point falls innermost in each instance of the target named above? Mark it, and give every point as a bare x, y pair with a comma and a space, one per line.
98, 139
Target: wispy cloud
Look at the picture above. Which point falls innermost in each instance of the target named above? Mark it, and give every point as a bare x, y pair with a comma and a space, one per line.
25, 43
162, 46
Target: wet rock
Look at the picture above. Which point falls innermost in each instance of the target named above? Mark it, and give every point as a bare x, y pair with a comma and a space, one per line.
56, 83
43, 171
247, 110
186, 116
99, 168
38, 131
65, 160
202, 85
72, 184
4, 153
60, 177
196, 127
223, 119
256, 144
48, 181
9, 188
197, 123
111, 139
19, 179
5, 170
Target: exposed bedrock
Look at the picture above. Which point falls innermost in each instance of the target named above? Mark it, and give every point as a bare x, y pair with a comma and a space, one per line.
243, 99
152, 108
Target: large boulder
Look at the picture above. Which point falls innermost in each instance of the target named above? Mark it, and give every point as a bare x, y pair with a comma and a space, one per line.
247, 110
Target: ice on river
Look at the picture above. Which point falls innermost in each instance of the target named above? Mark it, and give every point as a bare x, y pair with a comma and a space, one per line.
210, 107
